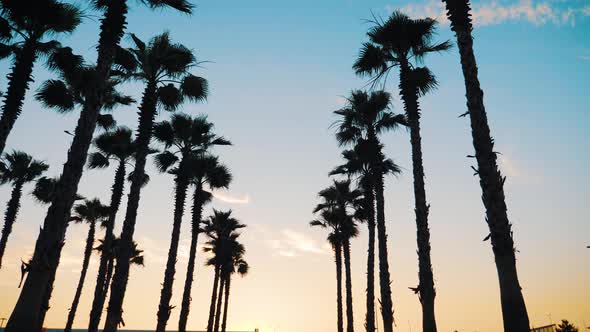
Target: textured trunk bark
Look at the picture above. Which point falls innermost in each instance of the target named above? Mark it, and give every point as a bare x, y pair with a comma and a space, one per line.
18, 83
33, 301
10, 216
195, 222
427, 293
219, 300
225, 303
491, 181
85, 262
213, 301
370, 315
164, 307
349, 311
106, 256
338, 259
384, 277
147, 115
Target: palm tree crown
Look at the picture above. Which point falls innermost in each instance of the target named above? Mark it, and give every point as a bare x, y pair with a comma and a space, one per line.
112, 145
18, 166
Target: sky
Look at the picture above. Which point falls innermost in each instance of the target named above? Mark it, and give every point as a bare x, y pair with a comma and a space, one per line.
277, 70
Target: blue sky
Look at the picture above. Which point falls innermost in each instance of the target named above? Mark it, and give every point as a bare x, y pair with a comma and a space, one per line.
277, 70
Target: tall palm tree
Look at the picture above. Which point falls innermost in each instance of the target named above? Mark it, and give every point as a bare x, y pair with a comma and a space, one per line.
25, 27
16, 168
184, 138
164, 68
91, 212
32, 304
206, 171
491, 180
398, 42
329, 219
364, 118
357, 165
117, 146
340, 198
221, 228
235, 264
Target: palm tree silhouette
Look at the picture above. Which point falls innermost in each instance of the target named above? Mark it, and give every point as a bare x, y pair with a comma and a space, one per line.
221, 229
91, 212
24, 29
491, 180
339, 198
206, 171
364, 118
117, 146
357, 165
397, 42
16, 168
184, 138
164, 68
236, 263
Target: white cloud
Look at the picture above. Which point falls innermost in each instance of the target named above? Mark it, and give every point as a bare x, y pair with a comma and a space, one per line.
292, 244
492, 12
225, 197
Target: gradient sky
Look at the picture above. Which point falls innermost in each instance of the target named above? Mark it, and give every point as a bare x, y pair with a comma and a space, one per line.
277, 69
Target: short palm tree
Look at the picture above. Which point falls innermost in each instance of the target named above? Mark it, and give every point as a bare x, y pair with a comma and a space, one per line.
339, 198
235, 264
25, 27
491, 180
363, 119
357, 165
221, 228
112, 146
398, 42
184, 138
16, 168
206, 171
91, 212
32, 304
164, 68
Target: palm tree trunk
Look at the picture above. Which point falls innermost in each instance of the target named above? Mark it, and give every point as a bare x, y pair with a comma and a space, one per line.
349, 311
125, 251
427, 293
164, 308
10, 216
219, 302
370, 315
338, 258
101, 288
85, 262
213, 300
225, 302
384, 276
33, 301
188, 283
18, 84
491, 181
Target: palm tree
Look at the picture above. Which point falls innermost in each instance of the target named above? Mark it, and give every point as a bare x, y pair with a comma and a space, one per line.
236, 264
357, 165
221, 229
491, 180
16, 168
364, 118
340, 198
30, 309
24, 29
164, 67
396, 42
206, 171
329, 219
90, 211
188, 138
117, 146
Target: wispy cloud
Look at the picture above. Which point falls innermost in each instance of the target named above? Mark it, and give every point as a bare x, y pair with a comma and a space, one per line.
492, 12
290, 243
227, 198
584, 57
